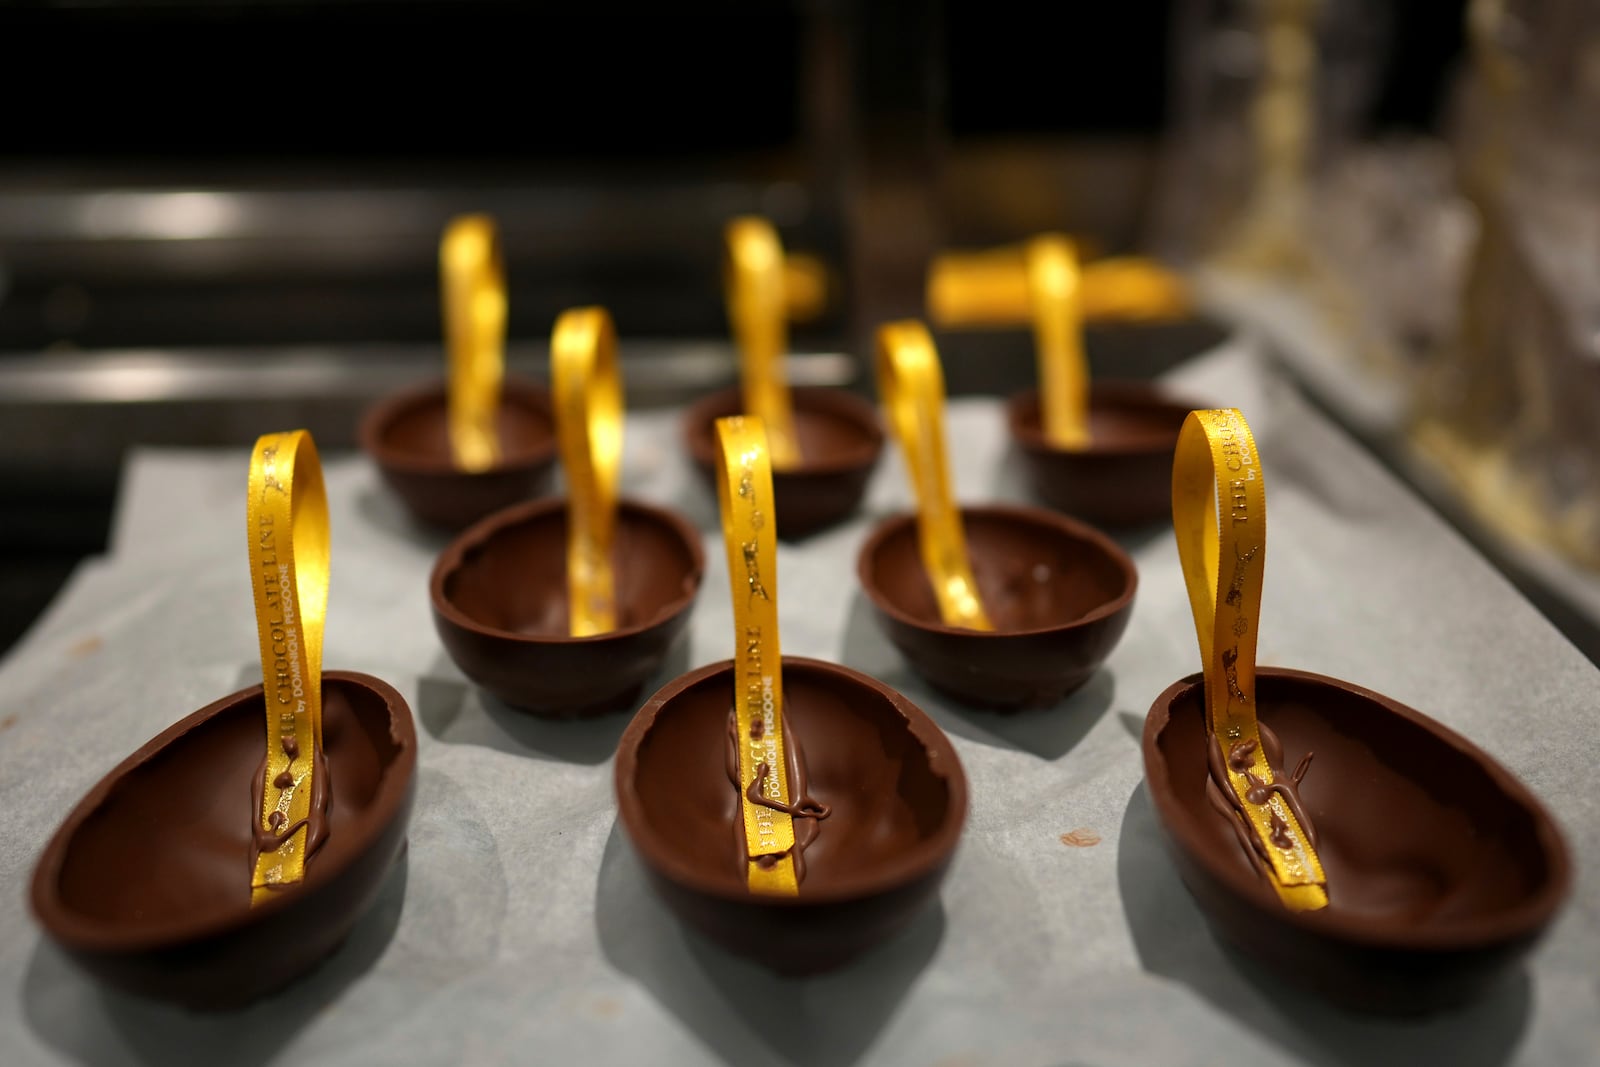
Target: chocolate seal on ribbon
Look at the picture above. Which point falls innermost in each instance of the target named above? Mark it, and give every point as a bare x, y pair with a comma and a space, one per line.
749, 530
758, 312
588, 409
1222, 547
911, 386
474, 288
287, 516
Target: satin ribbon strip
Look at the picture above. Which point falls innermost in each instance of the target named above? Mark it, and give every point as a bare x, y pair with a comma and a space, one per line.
911, 386
473, 284
757, 312
588, 408
287, 515
749, 530
1216, 459
1043, 283
1054, 284
989, 289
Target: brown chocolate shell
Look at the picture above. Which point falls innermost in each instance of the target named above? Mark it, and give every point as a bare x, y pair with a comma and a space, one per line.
1124, 476
840, 442
1442, 869
147, 882
897, 794
1058, 591
499, 594
407, 436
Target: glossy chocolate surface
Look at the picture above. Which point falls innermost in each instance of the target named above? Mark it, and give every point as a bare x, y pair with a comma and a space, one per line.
499, 594
1058, 591
147, 882
407, 436
895, 793
840, 442
1442, 869
1124, 476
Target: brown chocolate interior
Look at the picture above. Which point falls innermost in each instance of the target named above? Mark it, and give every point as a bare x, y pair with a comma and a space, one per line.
862, 761
516, 580
825, 435
1030, 575
421, 429
1410, 830
172, 840
1130, 423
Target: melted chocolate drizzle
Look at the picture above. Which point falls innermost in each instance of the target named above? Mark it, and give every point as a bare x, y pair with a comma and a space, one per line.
316, 820
1241, 757
805, 810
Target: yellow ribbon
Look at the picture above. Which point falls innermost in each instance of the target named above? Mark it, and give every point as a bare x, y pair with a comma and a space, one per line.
757, 311
979, 290
1216, 459
911, 385
1043, 283
588, 409
287, 514
1054, 284
749, 529
473, 283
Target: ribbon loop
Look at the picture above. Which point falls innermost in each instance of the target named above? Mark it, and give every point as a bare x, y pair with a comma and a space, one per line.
473, 283
749, 530
757, 310
911, 385
1043, 283
1054, 289
588, 407
1219, 516
287, 516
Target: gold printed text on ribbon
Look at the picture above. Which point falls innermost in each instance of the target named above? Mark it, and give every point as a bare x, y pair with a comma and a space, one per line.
744, 491
758, 313
588, 397
1219, 515
287, 516
473, 283
911, 386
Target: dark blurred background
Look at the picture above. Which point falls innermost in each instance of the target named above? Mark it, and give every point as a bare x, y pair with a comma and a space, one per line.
218, 213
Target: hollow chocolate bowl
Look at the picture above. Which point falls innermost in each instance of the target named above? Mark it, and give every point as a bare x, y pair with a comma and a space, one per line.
407, 436
897, 792
147, 882
1442, 869
840, 441
1124, 476
499, 595
1058, 591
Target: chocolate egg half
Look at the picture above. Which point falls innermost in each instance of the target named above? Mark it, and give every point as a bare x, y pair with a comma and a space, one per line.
1058, 591
840, 442
1442, 869
407, 436
147, 882
897, 794
499, 594
1123, 477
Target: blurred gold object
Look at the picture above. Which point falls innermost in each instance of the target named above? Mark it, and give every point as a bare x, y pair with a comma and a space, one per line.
759, 280
1043, 283
911, 386
588, 406
473, 283
983, 290
1283, 119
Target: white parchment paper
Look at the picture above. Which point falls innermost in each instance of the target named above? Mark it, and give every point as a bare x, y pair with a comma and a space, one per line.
519, 929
